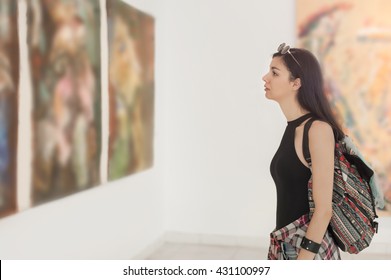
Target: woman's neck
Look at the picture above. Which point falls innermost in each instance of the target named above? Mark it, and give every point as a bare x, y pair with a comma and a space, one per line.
292, 110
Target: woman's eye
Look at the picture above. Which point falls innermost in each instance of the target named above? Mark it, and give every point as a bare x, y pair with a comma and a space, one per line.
274, 73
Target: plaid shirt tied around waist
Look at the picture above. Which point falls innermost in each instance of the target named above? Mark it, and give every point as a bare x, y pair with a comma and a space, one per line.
293, 234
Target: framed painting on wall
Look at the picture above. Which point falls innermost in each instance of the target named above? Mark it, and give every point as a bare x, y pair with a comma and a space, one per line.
64, 54
131, 89
9, 78
352, 40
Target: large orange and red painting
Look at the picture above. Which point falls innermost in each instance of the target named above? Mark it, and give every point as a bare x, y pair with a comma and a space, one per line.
352, 40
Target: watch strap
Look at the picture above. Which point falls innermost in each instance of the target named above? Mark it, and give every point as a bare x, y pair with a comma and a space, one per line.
310, 245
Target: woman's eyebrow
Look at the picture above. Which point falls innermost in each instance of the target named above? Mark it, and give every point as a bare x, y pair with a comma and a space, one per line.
274, 68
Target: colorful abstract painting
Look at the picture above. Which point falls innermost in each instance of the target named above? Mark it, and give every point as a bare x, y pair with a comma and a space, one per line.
9, 77
131, 89
352, 40
64, 54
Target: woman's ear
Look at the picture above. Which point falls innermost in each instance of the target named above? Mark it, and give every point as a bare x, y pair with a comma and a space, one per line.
296, 84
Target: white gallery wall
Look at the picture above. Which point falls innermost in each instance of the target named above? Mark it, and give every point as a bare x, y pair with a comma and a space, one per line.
221, 132
215, 135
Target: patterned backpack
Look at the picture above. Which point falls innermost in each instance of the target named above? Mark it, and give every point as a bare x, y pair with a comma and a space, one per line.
354, 212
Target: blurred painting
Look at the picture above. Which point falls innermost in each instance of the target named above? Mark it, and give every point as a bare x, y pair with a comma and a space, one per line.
131, 89
64, 54
9, 77
352, 40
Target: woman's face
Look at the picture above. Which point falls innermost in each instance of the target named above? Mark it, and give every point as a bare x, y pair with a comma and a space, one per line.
278, 83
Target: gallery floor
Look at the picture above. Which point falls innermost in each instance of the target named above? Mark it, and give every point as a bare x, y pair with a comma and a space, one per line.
177, 251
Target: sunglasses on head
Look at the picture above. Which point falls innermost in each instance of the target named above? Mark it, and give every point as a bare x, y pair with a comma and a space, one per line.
283, 49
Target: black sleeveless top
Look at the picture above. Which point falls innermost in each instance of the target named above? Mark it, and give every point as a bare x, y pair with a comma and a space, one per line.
291, 177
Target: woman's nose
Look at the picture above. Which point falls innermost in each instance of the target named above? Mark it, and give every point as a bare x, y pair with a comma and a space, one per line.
264, 78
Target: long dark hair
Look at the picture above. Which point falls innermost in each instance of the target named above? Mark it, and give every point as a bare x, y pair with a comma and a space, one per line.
311, 95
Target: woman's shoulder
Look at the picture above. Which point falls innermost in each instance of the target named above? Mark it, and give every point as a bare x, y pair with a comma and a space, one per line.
321, 131
320, 125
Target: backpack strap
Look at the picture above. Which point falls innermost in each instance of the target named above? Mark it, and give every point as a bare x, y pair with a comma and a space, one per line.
306, 149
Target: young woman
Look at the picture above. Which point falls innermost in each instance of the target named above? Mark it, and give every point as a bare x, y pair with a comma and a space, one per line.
295, 82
